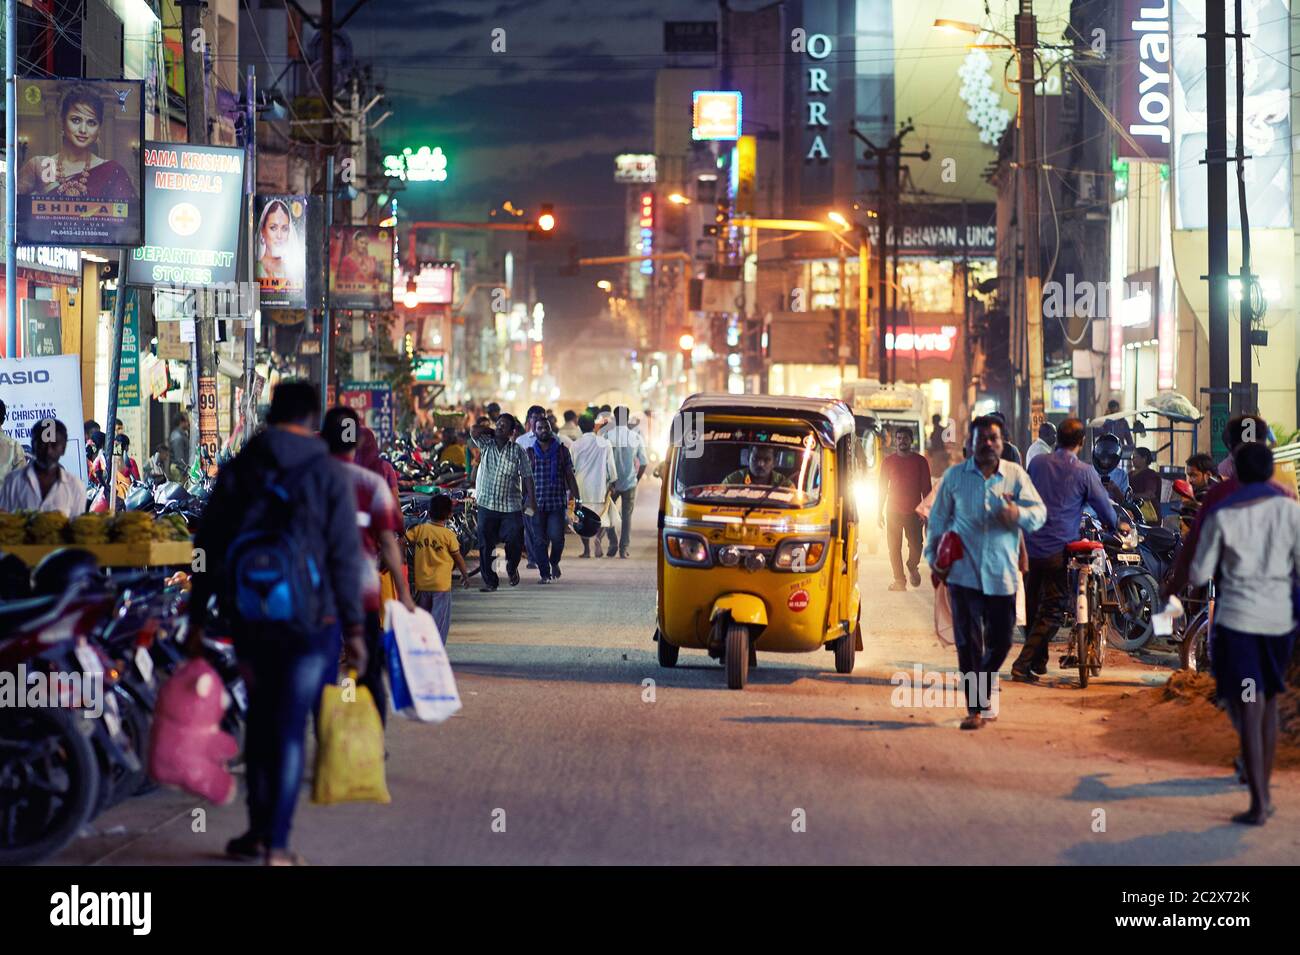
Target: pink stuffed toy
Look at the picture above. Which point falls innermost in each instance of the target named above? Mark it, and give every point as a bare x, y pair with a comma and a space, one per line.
187, 748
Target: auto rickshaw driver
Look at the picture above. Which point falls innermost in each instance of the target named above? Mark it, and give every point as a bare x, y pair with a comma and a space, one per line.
761, 471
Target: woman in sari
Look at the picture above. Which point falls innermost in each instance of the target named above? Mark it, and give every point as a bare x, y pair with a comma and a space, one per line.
75, 172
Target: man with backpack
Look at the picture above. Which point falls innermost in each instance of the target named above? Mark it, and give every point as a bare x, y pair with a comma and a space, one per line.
279, 548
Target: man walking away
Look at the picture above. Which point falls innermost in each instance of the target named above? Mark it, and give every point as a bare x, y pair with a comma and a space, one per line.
593, 463
630, 462
556, 491
987, 502
1119, 427
570, 430
1250, 546
1043, 444
179, 442
380, 522
1066, 485
504, 487
937, 448
283, 478
904, 483
436, 550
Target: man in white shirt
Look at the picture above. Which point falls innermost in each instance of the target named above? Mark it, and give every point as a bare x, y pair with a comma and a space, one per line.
593, 463
1043, 444
43, 484
12, 455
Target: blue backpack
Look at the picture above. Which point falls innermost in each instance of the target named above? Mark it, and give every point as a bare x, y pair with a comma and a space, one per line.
273, 577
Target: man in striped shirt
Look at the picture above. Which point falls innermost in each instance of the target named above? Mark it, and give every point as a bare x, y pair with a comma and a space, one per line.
503, 489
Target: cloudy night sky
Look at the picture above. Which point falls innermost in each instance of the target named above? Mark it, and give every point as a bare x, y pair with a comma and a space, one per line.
539, 122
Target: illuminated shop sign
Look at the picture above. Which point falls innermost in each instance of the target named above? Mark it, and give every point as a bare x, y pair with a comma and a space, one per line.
716, 114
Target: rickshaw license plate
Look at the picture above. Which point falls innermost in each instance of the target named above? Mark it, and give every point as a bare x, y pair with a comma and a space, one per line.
1130, 558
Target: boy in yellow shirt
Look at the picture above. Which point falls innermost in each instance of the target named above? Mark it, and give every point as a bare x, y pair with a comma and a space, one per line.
436, 550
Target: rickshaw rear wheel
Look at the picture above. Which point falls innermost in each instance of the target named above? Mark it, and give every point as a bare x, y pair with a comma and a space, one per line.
846, 649
667, 651
737, 655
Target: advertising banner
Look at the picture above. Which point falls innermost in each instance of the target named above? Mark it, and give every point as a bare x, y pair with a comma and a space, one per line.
281, 265
37, 388
42, 328
361, 268
79, 162
373, 401
192, 218
128, 379
1267, 67
1142, 90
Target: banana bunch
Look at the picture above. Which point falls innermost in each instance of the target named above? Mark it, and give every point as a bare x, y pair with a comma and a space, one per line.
172, 527
88, 529
46, 527
132, 527
13, 529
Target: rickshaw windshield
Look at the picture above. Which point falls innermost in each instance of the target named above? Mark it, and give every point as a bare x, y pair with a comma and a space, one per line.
781, 467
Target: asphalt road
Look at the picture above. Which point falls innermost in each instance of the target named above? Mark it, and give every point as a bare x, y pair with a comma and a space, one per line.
564, 754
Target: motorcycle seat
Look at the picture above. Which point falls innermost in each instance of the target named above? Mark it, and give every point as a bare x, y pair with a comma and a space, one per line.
1083, 546
14, 613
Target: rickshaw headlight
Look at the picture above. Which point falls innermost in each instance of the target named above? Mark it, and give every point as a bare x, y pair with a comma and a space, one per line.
729, 555
796, 555
687, 548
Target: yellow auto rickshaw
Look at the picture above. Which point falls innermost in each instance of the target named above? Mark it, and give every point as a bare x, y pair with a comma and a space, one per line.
758, 531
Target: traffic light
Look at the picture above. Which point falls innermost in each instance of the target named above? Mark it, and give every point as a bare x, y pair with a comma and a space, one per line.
544, 224
721, 220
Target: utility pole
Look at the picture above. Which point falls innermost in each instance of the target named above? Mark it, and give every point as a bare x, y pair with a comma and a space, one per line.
11, 179
888, 166
1216, 175
254, 289
327, 88
1245, 402
202, 355
1026, 41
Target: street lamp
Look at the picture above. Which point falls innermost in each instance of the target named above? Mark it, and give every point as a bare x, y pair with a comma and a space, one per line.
956, 26
839, 220
412, 297
686, 343
678, 199
605, 285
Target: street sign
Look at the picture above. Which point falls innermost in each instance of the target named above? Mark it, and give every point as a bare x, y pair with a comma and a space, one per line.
430, 367
716, 114
373, 401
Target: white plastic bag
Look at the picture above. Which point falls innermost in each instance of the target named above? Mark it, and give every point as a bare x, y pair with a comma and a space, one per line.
942, 614
1020, 600
425, 666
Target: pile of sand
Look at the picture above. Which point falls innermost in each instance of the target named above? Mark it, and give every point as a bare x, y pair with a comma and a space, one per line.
1180, 720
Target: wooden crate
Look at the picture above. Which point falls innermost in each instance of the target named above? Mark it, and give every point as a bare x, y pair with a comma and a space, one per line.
151, 554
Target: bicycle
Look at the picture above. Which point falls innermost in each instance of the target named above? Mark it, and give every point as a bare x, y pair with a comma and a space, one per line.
1087, 559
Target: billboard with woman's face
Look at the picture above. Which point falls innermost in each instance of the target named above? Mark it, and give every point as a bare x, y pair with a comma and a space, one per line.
361, 268
79, 168
281, 267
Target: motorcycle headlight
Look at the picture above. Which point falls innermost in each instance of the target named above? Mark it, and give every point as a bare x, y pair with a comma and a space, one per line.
686, 549
799, 555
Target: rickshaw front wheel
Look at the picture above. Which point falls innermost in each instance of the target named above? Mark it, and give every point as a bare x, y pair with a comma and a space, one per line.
737, 656
667, 651
846, 648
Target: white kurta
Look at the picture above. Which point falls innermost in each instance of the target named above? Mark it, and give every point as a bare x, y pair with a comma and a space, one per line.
593, 465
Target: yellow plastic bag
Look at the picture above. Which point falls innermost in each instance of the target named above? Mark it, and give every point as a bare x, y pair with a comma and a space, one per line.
350, 750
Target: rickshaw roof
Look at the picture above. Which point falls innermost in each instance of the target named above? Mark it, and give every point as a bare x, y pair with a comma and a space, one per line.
830, 411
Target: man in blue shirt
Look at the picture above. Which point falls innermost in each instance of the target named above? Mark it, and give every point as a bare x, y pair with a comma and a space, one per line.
987, 501
1066, 485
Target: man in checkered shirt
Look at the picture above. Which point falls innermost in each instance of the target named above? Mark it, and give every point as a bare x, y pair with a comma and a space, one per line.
502, 489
